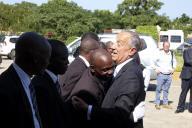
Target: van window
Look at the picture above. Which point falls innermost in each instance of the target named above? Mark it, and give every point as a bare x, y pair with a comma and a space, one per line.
176, 39
163, 38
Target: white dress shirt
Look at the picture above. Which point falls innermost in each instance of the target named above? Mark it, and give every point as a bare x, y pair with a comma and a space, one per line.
163, 62
86, 62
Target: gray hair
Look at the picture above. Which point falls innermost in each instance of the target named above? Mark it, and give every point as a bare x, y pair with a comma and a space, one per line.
134, 40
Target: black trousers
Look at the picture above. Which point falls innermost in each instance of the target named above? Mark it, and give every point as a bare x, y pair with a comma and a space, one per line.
186, 85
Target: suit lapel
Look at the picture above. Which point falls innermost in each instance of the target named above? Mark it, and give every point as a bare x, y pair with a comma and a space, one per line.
21, 90
123, 69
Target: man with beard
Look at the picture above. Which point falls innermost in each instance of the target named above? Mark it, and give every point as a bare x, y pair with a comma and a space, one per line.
50, 104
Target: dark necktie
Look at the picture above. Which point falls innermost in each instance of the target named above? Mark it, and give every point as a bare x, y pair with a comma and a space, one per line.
58, 87
34, 102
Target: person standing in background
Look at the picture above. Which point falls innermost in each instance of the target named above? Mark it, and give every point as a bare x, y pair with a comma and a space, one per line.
164, 65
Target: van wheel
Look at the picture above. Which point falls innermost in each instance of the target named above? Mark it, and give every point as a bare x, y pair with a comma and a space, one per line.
12, 54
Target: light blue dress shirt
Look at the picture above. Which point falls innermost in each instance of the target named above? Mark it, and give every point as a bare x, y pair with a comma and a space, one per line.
25, 80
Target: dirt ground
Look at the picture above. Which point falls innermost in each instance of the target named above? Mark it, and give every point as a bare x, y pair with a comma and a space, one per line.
166, 118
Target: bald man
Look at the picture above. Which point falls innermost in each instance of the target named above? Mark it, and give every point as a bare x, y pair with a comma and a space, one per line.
18, 107
78, 66
93, 83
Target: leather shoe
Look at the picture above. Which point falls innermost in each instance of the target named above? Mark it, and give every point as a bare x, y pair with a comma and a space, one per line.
157, 107
179, 111
190, 111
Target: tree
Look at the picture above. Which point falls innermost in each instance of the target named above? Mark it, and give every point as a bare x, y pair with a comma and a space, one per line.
137, 12
64, 19
105, 20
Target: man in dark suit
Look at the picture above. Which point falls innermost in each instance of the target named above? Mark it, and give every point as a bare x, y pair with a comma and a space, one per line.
126, 91
51, 108
186, 76
92, 85
78, 66
18, 108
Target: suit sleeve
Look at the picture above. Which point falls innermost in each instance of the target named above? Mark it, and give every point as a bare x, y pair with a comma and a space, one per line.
187, 57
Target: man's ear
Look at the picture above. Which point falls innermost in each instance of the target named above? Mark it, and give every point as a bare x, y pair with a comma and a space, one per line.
92, 68
132, 51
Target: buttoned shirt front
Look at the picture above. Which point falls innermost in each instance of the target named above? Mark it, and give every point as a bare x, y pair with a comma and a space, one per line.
163, 62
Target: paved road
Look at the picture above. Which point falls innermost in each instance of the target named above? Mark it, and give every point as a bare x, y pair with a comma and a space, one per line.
163, 118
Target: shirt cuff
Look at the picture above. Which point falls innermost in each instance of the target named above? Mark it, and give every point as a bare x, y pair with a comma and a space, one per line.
89, 112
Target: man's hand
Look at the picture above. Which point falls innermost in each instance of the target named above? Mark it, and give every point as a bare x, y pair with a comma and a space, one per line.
79, 104
157, 71
139, 111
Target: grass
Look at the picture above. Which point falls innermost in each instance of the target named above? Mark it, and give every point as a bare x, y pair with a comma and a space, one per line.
179, 58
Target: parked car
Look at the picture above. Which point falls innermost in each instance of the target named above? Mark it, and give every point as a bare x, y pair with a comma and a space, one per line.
188, 43
146, 52
7, 44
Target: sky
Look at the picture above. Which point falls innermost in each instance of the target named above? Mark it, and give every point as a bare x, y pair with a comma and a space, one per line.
171, 8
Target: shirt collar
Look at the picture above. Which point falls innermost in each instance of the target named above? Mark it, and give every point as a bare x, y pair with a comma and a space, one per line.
118, 68
86, 62
52, 75
24, 77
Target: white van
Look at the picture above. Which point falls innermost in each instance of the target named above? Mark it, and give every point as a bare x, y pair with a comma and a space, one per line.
175, 37
7, 44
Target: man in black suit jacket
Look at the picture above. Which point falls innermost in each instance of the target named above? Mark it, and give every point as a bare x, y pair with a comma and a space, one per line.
186, 76
126, 92
52, 111
78, 66
18, 106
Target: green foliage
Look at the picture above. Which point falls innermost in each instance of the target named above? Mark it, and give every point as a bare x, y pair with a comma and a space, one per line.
180, 62
149, 30
135, 13
70, 39
184, 23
